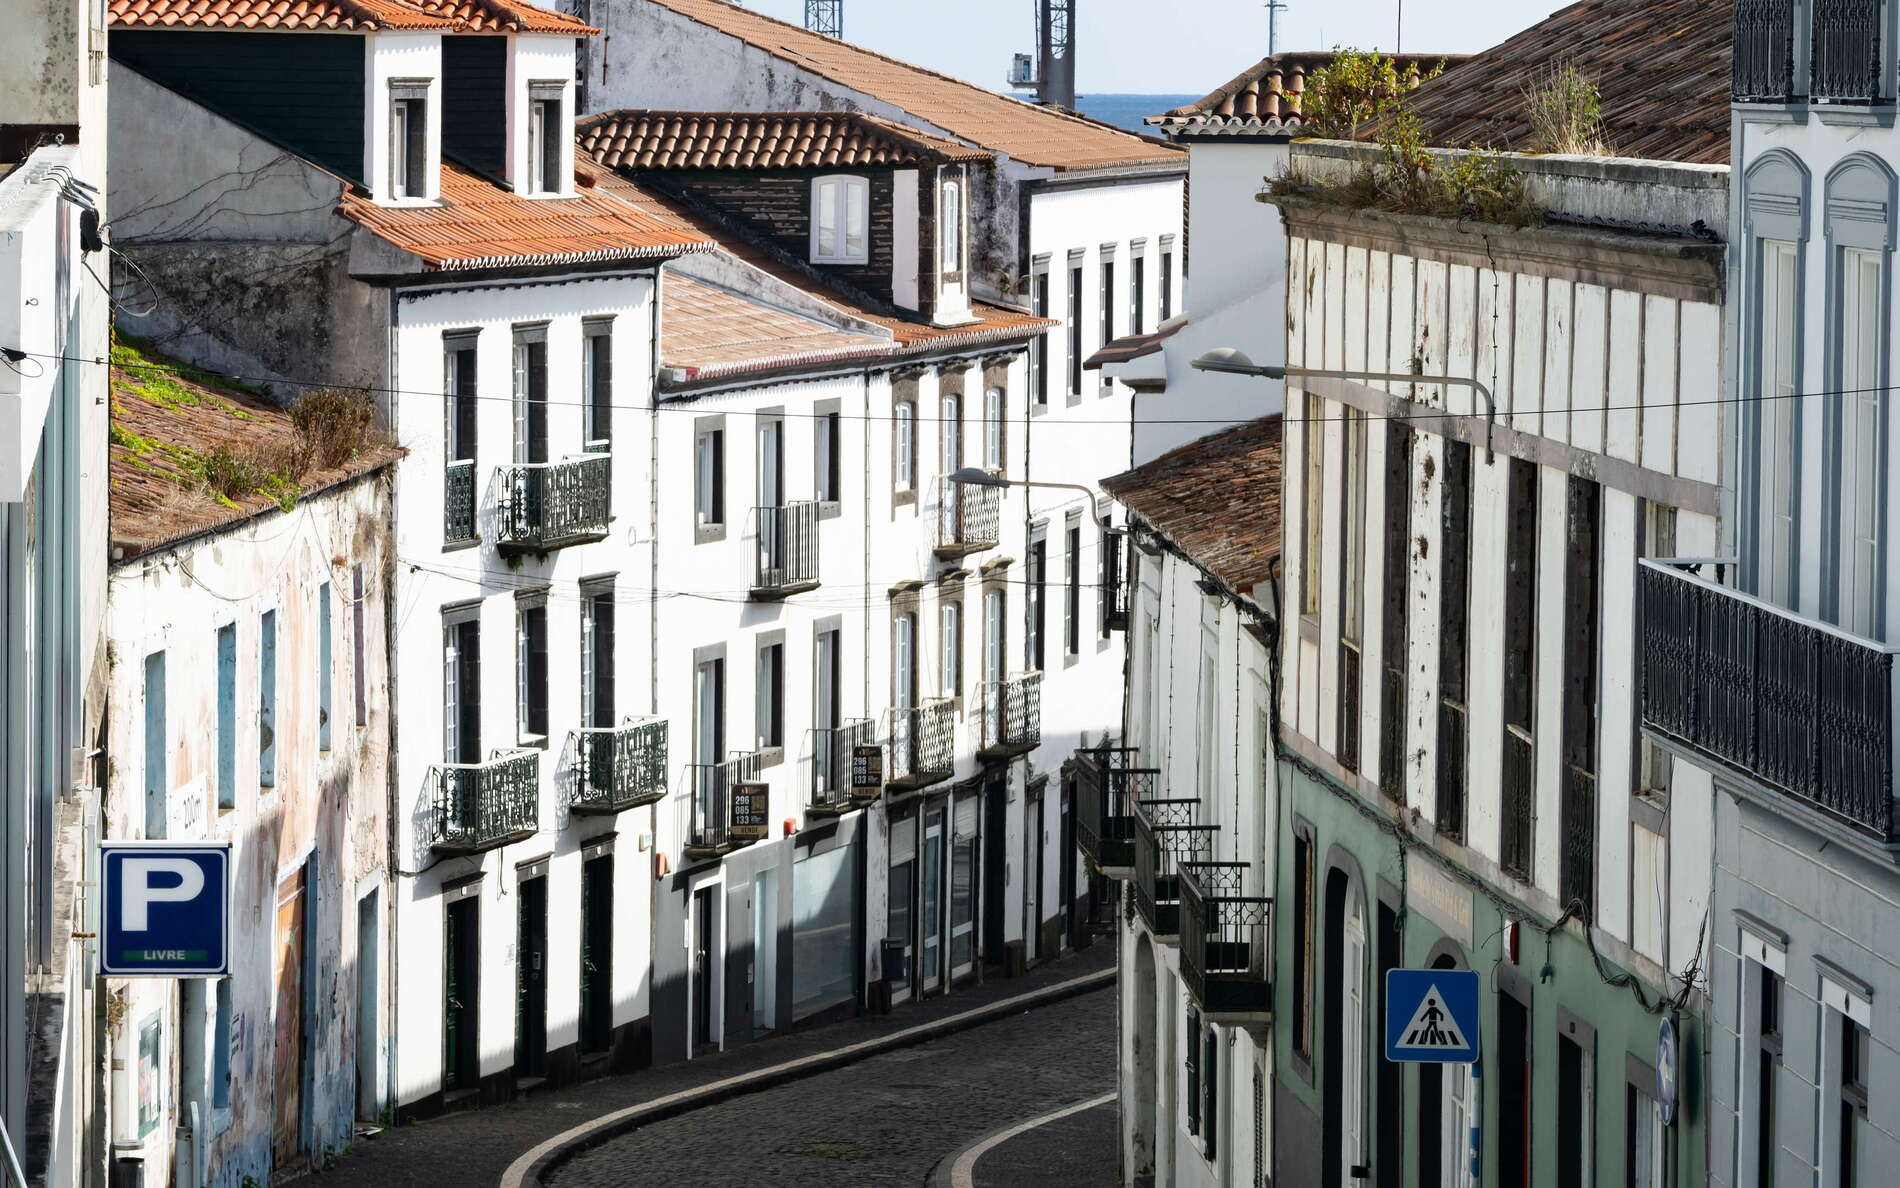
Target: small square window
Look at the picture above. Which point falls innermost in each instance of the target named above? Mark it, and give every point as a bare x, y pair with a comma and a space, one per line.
840, 212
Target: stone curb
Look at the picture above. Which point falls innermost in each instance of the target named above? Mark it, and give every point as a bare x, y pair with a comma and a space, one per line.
531, 1169
944, 1174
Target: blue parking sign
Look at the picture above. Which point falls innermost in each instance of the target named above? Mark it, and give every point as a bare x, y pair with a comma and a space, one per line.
1431, 1016
165, 909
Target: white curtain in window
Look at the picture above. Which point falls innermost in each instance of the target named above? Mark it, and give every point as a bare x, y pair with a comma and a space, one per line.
839, 213
952, 649
993, 428
1775, 385
906, 444
950, 227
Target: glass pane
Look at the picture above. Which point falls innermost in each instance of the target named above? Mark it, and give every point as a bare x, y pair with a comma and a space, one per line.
962, 902
933, 901
824, 903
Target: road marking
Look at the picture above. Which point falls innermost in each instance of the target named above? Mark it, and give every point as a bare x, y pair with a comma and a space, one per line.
962, 1171
517, 1174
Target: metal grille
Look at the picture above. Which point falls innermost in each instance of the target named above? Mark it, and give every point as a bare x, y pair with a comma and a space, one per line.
1347, 750
1392, 733
1223, 938
1115, 582
1166, 835
1801, 707
706, 807
458, 502
1764, 50
544, 505
966, 516
477, 806
1012, 714
923, 743
619, 767
1451, 769
831, 749
1847, 50
1106, 787
1520, 798
1577, 871
786, 554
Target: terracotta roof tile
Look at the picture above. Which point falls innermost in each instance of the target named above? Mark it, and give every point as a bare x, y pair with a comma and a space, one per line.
1267, 94
480, 224
1661, 68
1132, 346
710, 332
761, 140
1217, 498
449, 16
165, 416
1031, 134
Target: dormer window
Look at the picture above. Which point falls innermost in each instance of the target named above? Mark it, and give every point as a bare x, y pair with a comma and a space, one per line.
950, 229
409, 138
840, 209
546, 138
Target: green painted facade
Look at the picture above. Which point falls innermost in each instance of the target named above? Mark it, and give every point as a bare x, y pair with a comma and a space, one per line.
1352, 836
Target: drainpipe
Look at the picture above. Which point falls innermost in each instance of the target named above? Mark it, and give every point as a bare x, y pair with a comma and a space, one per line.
653, 593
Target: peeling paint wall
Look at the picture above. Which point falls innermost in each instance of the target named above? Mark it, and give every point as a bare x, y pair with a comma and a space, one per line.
325, 814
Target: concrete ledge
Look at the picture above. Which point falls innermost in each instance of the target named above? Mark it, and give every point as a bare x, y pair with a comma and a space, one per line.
531, 1169
958, 1169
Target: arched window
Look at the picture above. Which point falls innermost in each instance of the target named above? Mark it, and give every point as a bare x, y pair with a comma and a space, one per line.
1860, 245
1776, 201
840, 210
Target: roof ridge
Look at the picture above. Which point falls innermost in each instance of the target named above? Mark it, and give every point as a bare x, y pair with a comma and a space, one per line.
680, 7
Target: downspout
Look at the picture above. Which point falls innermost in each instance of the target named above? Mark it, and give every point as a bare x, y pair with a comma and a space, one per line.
653, 603
392, 918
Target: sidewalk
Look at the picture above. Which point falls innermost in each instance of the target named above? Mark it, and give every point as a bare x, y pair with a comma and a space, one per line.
480, 1147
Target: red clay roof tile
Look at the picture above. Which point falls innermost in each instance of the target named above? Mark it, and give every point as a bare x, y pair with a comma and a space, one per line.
762, 140
448, 16
1218, 499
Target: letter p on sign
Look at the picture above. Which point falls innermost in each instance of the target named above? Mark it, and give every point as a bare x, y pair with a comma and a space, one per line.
165, 910
140, 889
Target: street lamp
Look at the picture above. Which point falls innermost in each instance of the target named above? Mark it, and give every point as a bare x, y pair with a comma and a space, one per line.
972, 476
1230, 361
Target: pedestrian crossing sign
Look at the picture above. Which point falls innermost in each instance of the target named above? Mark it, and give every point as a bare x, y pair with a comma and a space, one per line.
1431, 1016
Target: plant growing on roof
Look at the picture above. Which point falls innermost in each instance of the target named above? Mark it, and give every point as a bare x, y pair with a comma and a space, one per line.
1358, 88
332, 426
1565, 112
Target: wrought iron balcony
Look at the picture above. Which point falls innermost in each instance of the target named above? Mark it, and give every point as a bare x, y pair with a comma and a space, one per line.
479, 806
619, 767
1801, 708
1225, 943
458, 502
1012, 716
832, 751
967, 518
1165, 837
1848, 51
1763, 66
1107, 784
785, 555
549, 505
714, 818
923, 744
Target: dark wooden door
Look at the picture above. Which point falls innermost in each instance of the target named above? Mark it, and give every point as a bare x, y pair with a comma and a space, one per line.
288, 1032
461, 941
597, 954
531, 979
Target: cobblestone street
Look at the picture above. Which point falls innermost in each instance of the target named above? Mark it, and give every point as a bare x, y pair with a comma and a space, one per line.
891, 1118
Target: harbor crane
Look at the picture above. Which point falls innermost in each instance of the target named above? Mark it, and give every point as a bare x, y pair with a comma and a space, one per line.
1050, 71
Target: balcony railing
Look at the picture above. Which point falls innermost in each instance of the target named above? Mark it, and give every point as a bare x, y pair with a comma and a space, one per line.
1012, 716
1107, 784
923, 744
458, 502
832, 749
1847, 51
1801, 707
708, 806
479, 806
1165, 837
785, 555
619, 767
967, 517
1763, 67
1224, 943
548, 505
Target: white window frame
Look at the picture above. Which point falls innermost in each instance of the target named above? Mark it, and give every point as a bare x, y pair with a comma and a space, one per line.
1755, 951
950, 618
1837, 999
995, 409
1861, 345
904, 467
950, 229
844, 238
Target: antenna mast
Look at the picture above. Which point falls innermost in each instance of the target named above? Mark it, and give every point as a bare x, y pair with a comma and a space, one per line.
826, 17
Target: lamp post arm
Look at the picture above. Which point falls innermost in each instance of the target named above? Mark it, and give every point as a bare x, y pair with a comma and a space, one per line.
1095, 507
1484, 393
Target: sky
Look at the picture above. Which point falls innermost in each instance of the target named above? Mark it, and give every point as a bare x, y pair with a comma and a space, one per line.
1157, 47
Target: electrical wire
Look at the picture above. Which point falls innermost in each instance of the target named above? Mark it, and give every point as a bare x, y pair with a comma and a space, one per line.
1502, 416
